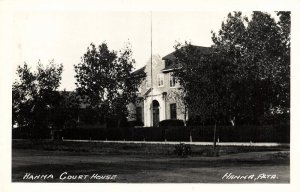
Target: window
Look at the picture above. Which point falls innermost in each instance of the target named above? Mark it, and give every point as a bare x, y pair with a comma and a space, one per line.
139, 114
168, 62
172, 80
160, 80
148, 82
173, 113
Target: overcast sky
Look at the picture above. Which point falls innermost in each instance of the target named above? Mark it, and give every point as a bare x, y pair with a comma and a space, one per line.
65, 36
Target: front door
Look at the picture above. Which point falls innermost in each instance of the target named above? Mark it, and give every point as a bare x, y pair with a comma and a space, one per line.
155, 116
155, 113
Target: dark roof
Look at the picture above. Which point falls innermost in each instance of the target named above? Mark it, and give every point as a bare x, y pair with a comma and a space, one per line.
139, 72
169, 67
201, 49
171, 56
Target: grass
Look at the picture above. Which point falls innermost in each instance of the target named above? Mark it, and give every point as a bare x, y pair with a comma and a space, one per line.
142, 163
134, 148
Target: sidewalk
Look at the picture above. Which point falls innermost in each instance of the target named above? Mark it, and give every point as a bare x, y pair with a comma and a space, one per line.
190, 143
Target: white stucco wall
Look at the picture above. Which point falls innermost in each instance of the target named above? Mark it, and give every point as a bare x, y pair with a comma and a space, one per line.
164, 101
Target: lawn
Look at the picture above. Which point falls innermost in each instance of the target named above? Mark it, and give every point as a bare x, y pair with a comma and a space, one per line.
270, 166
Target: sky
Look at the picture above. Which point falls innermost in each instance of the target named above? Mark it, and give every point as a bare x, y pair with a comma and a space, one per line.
65, 36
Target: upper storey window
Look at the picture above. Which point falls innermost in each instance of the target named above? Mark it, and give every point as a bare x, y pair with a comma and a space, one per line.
172, 80
160, 80
168, 62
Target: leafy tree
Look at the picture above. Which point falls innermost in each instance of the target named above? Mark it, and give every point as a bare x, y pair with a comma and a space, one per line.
246, 72
284, 73
65, 114
34, 95
203, 78
259, 51
23, 92
245, 77
104, 77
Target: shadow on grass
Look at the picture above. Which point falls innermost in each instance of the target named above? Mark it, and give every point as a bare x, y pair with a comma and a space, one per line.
134, 167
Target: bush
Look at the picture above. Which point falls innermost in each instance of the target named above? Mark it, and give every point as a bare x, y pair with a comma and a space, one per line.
182, 150
27, 132
244, 133
84, 133
113, 122
177, 133
94, 133
171, 122
148, 134
194, 121
202, 133
136, 124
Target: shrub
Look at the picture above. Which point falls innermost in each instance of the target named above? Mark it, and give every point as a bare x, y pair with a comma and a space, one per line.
136, 124
182, 150
171, 122
117, 121
177, 133
148, 134
27, 132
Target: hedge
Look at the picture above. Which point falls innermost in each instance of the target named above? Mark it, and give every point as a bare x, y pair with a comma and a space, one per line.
245, 133
31, 133
171, 123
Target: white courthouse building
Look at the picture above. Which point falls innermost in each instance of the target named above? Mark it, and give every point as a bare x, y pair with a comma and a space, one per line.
164, 97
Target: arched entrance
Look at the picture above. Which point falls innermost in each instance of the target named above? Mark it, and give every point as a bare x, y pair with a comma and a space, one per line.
155, 113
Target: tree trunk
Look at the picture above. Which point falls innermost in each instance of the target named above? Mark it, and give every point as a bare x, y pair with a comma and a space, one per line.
185, 115
215, 130
191, 138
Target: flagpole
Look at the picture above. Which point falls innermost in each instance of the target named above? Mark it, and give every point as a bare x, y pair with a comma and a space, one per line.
151, 106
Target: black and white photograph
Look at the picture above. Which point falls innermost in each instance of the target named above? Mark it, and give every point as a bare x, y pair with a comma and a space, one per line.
150, 96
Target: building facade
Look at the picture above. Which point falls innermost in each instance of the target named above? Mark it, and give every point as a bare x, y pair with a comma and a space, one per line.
160, 97
162, 101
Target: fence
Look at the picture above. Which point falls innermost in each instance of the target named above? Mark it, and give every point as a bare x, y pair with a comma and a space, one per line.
245, 133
